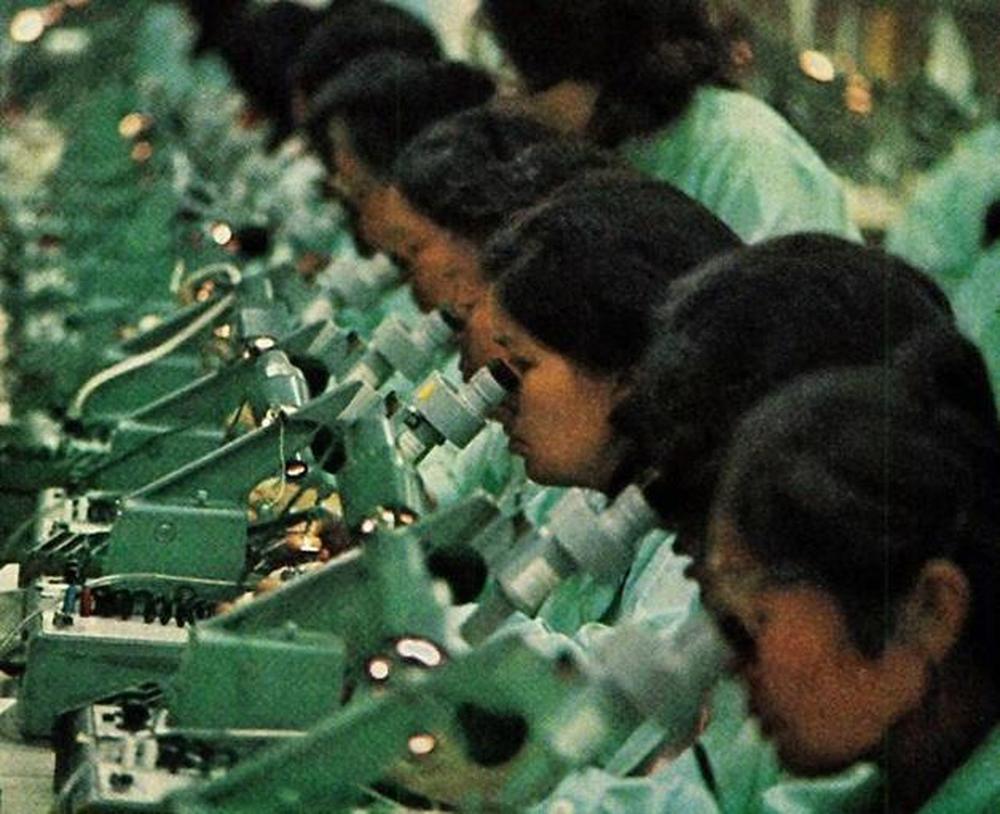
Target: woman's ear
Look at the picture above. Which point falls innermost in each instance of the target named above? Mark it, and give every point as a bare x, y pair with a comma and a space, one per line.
934, 614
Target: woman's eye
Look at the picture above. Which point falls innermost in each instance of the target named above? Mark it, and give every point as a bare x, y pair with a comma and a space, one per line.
521, 365
736, 633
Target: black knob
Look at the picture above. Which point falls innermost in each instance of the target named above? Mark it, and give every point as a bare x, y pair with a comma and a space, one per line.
120, 781
135, 716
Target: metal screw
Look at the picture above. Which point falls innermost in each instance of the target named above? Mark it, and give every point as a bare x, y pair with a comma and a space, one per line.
165, 532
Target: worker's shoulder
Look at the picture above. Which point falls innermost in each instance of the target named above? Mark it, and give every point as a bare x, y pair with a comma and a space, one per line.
723, 115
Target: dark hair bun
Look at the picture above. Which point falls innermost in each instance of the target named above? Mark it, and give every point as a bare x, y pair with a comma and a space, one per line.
944, 366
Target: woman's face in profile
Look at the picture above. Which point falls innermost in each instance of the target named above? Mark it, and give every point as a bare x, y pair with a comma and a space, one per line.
821, 701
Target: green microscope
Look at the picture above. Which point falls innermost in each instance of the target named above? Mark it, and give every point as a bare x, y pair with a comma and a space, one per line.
187, 533
494, 728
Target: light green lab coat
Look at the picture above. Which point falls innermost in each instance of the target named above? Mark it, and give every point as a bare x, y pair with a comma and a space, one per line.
583, 609
746, 772
941, 230
745, 163
975, 787
976, 301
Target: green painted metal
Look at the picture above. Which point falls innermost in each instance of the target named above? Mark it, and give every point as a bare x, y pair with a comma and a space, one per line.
284, 679
68, 666
376, 591
503, 725
197, 540
374, 474
371, 603
193, 521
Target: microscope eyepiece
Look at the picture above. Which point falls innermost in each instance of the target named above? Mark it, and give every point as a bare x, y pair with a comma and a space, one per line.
504, 375
452, 319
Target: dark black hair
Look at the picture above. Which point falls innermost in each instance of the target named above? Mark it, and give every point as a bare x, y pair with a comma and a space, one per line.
853, 480
646, 57
354, 28
991, 224
214, 20
583, 272
260, 49
384, 99
744, 325
470, 172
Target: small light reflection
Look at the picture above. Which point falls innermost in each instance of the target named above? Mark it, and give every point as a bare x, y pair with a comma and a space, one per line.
27, 26
222, 233
817, 65
205, 292
142, 151
421, 745
858, 95
422, 651
379, 669
264, 343
132, 125
294, 470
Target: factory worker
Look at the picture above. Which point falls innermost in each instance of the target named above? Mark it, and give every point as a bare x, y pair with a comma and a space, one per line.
259, 47
287, 186
346, 32
732, 332
954, 215
247, 178
646, 77
361, 121
367, 114
453, 186
575, 284
853, 563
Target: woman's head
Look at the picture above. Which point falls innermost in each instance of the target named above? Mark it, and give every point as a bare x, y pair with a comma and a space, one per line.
576, 283
450, 195
853, 555
260, 47
350, 30
460, 181
644, 58
748, 323
372, 109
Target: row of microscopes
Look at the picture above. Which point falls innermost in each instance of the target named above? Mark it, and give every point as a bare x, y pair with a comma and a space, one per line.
208, 443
